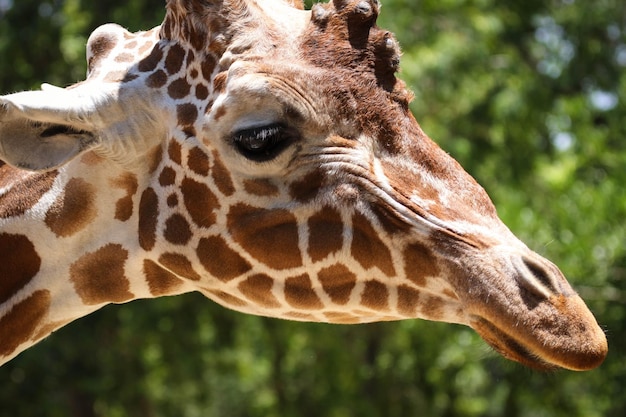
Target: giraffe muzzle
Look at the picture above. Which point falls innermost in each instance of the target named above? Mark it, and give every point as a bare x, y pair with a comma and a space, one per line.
540, 322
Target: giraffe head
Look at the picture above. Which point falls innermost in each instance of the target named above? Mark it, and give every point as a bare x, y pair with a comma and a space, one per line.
280, 172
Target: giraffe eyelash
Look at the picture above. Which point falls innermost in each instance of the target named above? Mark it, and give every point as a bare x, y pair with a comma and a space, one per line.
264, 143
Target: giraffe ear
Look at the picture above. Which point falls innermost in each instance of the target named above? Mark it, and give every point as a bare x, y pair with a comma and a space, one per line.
41, 130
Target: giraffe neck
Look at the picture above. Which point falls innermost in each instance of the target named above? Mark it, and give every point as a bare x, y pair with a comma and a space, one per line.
66, 249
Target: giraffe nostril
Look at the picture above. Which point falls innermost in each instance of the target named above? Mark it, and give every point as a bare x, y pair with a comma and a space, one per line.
543, 274
537, 277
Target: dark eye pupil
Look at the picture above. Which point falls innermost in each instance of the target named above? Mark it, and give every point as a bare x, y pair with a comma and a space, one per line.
262, 143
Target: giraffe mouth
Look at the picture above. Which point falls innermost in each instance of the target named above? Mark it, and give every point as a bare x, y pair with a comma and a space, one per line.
509, 347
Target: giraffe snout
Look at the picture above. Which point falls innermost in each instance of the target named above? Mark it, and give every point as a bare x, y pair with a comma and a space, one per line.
536, 318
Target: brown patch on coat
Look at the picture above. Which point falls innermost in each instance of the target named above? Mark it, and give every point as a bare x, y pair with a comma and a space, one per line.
150, 62
325, 233
148, 217
19, 263
186, 114
73, 209
270, 236
191, 57
172, 200
175, 58
375, 296
174, 151
177, 230
20, 323
189, 131
200, 202
368, 249
157, 79
198, 161
419, 264
202, 92
258, 289
408, 298
221, 176
220, 260
179, 88
25, 190
432, 307
99, 278
124, 206
160, 281
261, 188
167, 176
207, 66
180, 265
338, 282
308, 187
299, 293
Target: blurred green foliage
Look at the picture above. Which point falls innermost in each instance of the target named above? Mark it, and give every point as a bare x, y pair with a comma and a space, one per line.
529, 96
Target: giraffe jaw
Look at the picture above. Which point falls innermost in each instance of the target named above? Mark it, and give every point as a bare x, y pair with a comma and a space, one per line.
508, 347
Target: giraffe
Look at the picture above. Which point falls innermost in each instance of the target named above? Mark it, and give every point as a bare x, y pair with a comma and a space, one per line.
266, 157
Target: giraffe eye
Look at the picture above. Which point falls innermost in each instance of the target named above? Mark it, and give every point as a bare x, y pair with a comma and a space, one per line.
263, 143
